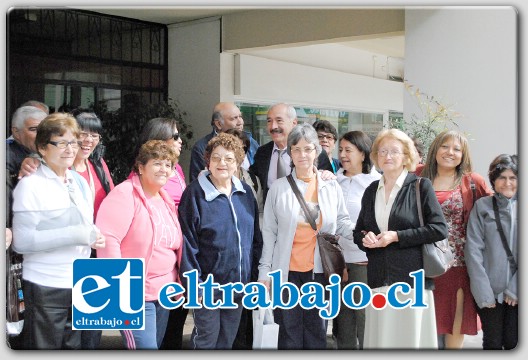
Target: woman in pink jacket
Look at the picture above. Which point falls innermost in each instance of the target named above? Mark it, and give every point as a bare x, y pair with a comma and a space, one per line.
139, 220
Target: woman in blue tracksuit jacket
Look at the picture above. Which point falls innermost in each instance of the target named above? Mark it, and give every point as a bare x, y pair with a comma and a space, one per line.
219, 219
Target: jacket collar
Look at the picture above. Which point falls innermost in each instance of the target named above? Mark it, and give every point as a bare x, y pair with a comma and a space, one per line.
320, 182
503, 200
209, 189
373, 175
403, 180
50, 174
136, 183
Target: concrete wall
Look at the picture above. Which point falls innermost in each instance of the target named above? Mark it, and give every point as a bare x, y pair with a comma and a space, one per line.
467, 57
270, 81
194, 74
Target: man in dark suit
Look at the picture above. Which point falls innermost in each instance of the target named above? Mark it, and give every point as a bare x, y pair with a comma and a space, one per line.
226, 116
281, 120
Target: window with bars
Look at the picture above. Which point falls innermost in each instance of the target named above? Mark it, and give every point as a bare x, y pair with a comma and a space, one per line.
72, 58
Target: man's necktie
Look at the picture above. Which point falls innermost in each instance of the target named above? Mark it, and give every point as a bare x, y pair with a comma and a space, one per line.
281, 167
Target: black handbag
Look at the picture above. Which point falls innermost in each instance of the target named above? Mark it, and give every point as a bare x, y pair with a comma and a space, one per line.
437, 256
14, 294
331, 252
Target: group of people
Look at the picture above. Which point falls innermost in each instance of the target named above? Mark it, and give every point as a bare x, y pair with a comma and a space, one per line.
239, 219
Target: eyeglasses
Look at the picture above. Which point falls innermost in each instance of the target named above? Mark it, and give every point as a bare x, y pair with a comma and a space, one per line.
176, 136
227, 159
63, 144
327, 137
393, 153
83, 135
299, 151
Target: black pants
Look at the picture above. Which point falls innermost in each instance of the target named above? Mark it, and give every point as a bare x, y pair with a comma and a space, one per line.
16, 342
48, 319
244, 338
500, 327
91, 339
299, 328
173, 339
349, 323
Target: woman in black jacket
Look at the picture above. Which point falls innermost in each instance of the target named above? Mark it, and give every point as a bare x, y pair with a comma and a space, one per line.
388, 230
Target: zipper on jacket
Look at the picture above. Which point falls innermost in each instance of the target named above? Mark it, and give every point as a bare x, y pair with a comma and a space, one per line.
229, 198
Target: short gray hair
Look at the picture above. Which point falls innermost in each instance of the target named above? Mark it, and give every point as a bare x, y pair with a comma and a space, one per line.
290, 110
25, 112
307, 132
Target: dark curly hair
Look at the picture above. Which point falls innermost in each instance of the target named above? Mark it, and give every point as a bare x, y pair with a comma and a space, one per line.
499, 165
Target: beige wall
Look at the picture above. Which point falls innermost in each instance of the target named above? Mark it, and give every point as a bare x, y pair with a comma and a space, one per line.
257, 28
467, 57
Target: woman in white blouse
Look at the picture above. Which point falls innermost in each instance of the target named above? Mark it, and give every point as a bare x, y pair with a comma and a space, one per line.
355, 174
52, 227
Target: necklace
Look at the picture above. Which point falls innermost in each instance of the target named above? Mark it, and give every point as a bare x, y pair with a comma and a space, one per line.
306, 178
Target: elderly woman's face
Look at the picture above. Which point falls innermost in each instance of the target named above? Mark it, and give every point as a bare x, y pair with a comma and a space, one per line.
155, 173
391, 155
506, 184
60, 152
222, 163
303, 155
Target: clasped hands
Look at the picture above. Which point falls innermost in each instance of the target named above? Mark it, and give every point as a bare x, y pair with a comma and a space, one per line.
371, 240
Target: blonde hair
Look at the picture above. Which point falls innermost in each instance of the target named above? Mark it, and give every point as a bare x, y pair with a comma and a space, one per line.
409, 151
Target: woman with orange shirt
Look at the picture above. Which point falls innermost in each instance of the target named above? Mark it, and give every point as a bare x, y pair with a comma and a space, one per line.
289, 242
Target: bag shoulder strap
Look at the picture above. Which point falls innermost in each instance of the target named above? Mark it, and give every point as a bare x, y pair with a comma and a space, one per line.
419, 201
509, 254
254, 180
301, 200
473, 188
79, 182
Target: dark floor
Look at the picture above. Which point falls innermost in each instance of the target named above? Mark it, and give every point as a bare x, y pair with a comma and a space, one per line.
111, 340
